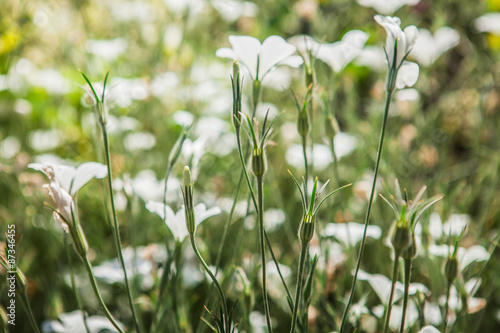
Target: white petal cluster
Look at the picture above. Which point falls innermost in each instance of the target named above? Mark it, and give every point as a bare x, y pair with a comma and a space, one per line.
259, 59
387, 6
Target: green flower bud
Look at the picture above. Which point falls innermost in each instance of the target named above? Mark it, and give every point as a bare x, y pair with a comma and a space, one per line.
451, 269
411, 251
259, 163
187, 193
306, 230
331, 127
80, 241
401, 237
303, 124
236, 95
256, 91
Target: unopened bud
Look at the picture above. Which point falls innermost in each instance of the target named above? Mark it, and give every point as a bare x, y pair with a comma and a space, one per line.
303, 124
187, 193
236, 95
331, 127
306, 229
256, 92
411, 251
259, 163
451, 269
401, 237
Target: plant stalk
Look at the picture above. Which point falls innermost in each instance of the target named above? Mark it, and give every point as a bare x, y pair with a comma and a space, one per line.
367, 218
391, 296
408, 264
300, 278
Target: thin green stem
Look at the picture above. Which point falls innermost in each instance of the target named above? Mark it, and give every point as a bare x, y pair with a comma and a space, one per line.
93, 282
27, 308
300, 278
214, 279
73, 284
115, 226
367, 218
306, 168
407, 291
260, 200
388, 309
446, 307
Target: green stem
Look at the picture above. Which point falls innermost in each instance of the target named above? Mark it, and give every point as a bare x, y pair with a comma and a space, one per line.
407, 291
115, 226
367, 218
27, 308
446, 307
300, 277
304, 152
93, 282
391, 296
217, 285
260, 204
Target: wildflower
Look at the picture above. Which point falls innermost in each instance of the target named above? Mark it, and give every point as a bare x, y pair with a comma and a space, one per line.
350, 234
338, 54
398, 44
387, 6
428, 48
489, 22
259, 59
69, 178
176, 222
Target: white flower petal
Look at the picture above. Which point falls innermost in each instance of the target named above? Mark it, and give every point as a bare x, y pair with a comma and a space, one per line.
247, 50
489, 22
201, 213
435, 226
226, 52
473, 254
340, 53
274, 50
455, 224
387, 6
85, 172
351, 233
407, 75
429, 329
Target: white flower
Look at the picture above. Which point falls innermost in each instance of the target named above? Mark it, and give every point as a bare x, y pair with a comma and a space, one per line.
342, 52
387, 6
429, 48
382, 286
306, 46
474, 304
73, 322
372, 57
350, 233
176, 222
407, 72
69, 178
405, 39
259, 59
108, 49
429, 329
465, 256
489, 22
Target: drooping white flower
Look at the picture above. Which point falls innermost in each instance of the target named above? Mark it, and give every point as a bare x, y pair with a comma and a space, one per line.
176, 222
398, 44
387, 6
69, 178
350, 233
429, 48
259, 59
342, 52
489, 22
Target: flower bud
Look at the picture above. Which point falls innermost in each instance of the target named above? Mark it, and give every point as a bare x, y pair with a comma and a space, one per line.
411, 251
401, 237
236, 95
303, 124
306, 230
259, 163
256, 91
187, 193
80, 241
451, 269
331, 127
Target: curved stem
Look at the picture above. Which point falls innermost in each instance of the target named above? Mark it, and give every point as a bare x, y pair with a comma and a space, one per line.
115, 226
367, 218
93, 282
405, 299
391, 296
217, 285
260, 204
300, 277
